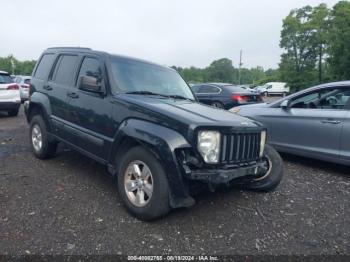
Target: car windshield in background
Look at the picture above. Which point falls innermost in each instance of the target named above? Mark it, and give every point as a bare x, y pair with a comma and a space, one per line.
143, 78
5, 79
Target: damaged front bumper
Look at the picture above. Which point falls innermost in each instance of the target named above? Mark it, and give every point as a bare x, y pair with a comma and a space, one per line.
227, 174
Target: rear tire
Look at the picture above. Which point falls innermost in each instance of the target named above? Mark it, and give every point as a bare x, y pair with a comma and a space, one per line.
13, 112
134, 185
273, 176
41, 146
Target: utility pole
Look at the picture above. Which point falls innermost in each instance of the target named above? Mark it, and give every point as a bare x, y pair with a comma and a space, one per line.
13, 65
240, 66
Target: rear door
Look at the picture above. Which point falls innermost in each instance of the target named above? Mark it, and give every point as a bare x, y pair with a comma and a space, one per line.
60, 80
344, 139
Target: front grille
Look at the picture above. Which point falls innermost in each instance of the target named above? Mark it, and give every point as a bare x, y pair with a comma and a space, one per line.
240, 147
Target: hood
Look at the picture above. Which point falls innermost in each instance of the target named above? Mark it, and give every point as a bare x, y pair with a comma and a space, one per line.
190, 113
254, 105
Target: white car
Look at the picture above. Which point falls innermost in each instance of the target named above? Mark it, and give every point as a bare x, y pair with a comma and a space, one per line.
24, 84
10, 98
273, 88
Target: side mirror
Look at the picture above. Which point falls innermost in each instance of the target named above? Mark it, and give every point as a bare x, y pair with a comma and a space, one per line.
90, 84
285, 104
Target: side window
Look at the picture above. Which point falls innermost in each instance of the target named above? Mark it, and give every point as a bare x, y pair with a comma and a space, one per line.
209, 90
334, 98
91, 67
44, 67
65, 69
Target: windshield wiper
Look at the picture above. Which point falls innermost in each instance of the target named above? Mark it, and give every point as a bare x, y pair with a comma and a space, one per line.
180, 97
146, 93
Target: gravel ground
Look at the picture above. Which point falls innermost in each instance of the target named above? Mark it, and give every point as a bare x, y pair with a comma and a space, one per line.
69, 205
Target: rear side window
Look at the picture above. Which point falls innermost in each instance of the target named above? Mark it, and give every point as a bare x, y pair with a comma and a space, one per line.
91, 67
44, 67
65, 69
5, 79
209, 90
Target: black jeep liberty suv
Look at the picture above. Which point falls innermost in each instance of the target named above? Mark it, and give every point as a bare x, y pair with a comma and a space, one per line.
143, 122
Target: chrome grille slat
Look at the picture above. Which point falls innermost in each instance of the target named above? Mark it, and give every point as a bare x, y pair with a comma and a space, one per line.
240, 147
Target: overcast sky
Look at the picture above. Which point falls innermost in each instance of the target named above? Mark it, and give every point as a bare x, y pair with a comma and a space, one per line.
176, 32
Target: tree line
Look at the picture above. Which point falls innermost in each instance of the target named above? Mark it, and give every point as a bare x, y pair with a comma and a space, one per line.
316, 44
13, 66
316, 41
222, 70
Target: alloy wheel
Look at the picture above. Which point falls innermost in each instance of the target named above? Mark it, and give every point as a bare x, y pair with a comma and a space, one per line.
37, 140
138, 183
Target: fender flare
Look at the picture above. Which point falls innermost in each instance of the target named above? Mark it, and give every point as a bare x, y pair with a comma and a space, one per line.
43, 102
164, 141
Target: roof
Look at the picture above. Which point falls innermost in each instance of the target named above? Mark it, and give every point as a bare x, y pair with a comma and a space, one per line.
3, 72
91, 51
339, 83
220, 84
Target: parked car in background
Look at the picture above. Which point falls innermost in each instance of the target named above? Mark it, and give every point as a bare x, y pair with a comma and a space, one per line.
225, 96
273, 88
24, 84
142, 122
10, 99
314, 122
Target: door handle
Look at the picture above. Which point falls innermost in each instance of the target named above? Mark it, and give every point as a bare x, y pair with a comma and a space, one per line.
330, 121
72, 95
47, 87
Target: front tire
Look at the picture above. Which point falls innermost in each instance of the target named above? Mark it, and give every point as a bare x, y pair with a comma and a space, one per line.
40, 144
271, 179
143, 185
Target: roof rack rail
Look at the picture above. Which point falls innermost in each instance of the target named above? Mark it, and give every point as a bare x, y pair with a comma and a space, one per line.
70, 47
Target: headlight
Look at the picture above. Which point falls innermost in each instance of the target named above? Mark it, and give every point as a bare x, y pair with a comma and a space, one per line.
235, 110
209, 146
262, 142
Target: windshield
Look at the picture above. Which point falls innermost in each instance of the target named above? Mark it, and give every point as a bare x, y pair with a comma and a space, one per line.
5, 79
135, 76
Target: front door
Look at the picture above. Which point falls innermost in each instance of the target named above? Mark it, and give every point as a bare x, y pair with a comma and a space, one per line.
312, 125
90, 122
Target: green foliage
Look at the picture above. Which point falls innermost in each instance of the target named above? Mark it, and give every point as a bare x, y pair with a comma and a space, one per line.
222, 70
11, 65
297, 38
339, 41
317, 45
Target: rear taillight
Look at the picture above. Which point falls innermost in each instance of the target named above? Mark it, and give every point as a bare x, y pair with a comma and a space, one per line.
238, 98
25, 86
13, 87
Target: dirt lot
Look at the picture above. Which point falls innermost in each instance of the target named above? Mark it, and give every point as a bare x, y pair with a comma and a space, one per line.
68, 205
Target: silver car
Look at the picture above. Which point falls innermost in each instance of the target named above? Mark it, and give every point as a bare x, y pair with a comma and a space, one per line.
314, 122
24, 84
